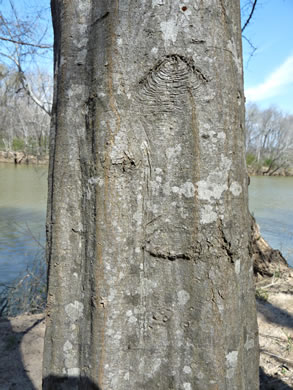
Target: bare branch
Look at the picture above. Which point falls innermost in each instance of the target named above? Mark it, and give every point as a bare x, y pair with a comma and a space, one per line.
30, 93
250, 16
253, 48
39, 46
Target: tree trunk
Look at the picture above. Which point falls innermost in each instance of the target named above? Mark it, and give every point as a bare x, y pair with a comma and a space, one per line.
150, 278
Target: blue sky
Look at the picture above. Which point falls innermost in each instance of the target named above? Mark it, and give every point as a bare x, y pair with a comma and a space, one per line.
39, 13
268, 73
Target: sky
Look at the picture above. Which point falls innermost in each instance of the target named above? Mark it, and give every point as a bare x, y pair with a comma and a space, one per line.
38, 13
268, 72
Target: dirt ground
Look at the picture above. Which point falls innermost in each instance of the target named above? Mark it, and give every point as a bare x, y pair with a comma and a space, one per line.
21, 350
21, 341
275, 321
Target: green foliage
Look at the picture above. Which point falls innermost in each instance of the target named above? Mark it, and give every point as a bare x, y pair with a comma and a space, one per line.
250, 158
32, 146
284, 370
289, 345
2, 145
18, 144
261, 294
268, 162
277, 274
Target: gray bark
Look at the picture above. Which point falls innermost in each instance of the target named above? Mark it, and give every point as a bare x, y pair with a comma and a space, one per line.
150, 275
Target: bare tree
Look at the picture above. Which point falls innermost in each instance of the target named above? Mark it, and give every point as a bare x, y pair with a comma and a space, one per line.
24, 126
21, 40
269, 138
150, 275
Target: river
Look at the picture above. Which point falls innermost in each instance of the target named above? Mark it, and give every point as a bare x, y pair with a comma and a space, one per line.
271, 202
23, 211
23, 193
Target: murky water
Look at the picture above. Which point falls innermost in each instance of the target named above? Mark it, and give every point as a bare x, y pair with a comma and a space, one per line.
23, 192
271, 202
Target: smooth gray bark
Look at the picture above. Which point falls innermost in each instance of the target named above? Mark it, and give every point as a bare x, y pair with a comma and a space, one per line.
150, 275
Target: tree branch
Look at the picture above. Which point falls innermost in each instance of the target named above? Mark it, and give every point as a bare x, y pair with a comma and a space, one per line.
31, 94
250, 16
39, 46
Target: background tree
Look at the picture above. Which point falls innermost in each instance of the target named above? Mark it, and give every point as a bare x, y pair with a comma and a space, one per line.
150, 275
24, 126
21, 42
25, 83
269, 139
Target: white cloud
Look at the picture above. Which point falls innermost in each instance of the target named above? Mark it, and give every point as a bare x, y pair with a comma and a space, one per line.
272, 86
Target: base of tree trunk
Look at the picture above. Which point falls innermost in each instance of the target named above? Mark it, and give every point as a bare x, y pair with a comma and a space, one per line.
266, 260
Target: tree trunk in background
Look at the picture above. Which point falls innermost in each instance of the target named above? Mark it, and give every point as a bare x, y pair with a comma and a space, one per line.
150, 278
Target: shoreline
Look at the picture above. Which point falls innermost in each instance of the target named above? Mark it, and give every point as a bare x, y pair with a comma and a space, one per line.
21, 158
281, 172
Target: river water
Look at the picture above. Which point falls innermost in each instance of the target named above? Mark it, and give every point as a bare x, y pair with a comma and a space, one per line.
271, 202
23, 192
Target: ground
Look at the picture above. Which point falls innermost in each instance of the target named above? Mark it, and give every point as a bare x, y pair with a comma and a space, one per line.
21, 340
275, 321
21, 349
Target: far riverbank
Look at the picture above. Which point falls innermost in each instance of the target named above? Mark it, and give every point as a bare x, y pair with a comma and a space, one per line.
22, 158
263, 171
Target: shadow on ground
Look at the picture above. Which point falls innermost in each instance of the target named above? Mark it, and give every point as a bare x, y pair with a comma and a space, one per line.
13, 374
268, 382
69, 383
21, 347
275, 314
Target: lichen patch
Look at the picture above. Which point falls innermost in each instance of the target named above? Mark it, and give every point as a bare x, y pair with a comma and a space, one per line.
169, 30
235, 188
74, 310
183, 297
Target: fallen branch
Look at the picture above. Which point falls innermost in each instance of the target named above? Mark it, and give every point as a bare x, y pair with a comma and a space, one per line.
277, 357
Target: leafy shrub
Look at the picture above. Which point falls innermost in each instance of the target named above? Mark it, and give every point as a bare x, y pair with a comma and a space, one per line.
261, 294
250, 158
18, 144
268, 162
2, 145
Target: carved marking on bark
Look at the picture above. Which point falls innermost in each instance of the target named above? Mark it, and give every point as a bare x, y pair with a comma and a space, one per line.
168, 255
165, 85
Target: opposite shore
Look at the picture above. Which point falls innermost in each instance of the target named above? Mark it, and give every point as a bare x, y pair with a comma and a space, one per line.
21, 158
